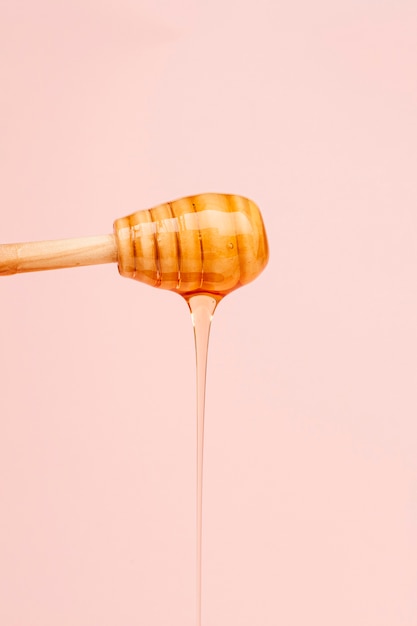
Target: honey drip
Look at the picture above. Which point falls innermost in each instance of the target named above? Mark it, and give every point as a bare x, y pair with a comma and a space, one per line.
202, 308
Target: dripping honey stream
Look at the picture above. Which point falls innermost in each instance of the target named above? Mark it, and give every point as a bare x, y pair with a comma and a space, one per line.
202, 308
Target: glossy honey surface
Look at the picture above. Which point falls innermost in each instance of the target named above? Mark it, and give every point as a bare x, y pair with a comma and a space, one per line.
209, 243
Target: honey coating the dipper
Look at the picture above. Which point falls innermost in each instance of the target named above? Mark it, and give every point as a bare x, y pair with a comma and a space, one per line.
209, 243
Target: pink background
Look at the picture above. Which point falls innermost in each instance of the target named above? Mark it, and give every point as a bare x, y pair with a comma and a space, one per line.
311, 427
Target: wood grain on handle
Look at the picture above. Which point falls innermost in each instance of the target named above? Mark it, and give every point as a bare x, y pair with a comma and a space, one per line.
16, 258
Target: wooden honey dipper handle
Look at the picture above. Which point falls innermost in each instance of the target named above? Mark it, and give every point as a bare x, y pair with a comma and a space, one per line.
16, 258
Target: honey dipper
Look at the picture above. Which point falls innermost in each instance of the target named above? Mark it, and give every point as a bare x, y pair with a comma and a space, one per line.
209, 243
